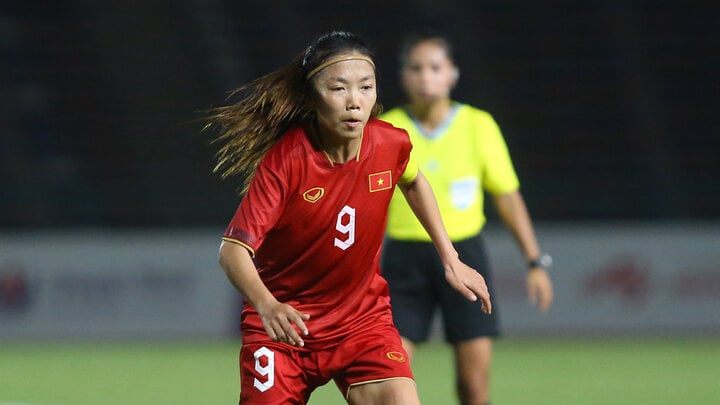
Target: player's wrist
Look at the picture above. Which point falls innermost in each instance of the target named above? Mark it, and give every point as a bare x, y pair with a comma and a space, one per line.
543, 261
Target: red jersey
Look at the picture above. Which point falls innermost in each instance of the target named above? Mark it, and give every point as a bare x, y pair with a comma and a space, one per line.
316, 229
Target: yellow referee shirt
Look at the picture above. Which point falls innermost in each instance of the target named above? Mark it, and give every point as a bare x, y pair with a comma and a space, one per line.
462, 157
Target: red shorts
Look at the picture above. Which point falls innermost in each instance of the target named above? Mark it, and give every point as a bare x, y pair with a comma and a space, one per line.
277, 373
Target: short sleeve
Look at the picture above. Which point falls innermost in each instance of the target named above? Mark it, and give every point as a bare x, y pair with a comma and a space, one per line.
259, 209
411, 171
498, 173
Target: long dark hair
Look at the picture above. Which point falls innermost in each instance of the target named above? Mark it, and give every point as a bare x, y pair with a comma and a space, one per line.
270, 105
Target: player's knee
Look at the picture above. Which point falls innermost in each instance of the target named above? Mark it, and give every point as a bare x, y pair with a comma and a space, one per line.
394, 391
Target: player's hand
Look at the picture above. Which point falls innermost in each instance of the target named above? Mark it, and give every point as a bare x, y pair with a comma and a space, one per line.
539, 288
469, 283
283, 323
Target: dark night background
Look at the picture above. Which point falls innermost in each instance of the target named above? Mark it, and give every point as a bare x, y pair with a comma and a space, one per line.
609, 107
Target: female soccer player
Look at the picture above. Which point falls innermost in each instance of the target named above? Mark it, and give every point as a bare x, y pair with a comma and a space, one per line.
462, 152
303, 247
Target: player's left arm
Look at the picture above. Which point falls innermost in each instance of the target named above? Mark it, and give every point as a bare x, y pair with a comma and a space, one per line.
460, 276
514, 213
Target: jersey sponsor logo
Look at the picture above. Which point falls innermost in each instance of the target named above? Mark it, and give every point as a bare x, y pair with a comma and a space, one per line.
314, 194
396, 356
380, 181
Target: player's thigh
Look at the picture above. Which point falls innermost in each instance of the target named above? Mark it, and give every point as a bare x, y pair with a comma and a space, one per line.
271, 374
397, 391
370, 356
409, 347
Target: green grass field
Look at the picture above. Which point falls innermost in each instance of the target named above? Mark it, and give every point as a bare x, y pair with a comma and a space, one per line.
526, 371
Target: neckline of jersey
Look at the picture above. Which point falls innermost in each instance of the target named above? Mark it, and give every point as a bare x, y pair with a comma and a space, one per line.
441, 129
324, 158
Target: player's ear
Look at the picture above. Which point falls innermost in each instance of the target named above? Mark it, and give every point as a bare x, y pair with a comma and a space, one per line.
455, 74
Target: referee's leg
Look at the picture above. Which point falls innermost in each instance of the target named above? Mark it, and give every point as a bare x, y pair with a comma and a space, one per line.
470, 331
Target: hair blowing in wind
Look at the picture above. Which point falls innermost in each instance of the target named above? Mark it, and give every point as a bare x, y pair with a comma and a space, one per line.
268, 106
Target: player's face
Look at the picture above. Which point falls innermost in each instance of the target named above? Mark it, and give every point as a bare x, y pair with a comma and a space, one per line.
346, 94
428, 74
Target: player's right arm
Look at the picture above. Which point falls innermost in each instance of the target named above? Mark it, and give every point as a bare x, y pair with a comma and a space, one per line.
460, 276
277, 318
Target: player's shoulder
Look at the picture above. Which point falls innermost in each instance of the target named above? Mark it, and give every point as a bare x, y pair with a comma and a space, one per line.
394, 114
386, 130
292, 137
398, 116
290, 144
386, 134
381, 125
474, 112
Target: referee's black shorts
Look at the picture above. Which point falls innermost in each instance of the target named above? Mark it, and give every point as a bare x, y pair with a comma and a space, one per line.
418, 287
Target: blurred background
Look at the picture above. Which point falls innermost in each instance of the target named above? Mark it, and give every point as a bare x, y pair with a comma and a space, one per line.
110, 216
609, 109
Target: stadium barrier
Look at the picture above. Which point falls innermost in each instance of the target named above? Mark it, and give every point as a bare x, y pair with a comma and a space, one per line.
608, 278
